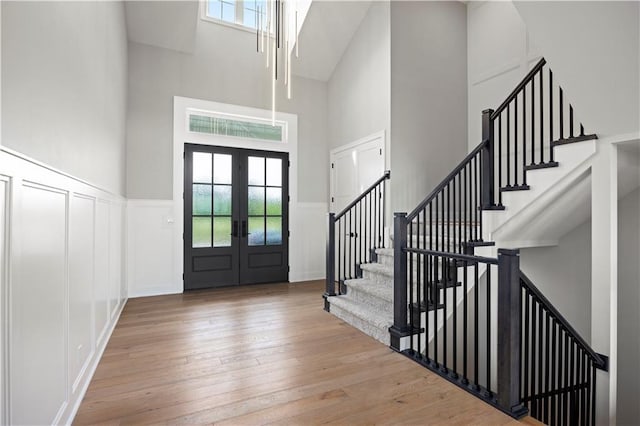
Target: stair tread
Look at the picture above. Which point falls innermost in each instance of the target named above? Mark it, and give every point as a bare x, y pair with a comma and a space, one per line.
362, 311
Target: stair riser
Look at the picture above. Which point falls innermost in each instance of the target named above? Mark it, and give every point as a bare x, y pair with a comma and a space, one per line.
376, 303
379, 333
378, 277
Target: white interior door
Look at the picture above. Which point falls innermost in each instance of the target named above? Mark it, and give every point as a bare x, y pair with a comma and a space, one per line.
354, 167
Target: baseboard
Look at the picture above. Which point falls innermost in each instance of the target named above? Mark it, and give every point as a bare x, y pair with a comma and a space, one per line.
154, 291
89, 372
307, 276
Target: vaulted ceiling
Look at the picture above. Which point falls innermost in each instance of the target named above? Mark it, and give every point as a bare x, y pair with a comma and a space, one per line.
325, 34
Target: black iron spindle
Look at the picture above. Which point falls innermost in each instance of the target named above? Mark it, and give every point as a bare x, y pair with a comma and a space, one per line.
476, 315
550, 115
541, 119
509, 146
515, 140
570, 121
561, 111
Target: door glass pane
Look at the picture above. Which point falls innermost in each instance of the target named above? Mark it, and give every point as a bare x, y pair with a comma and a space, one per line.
201, 199
202, 167
274, 172
256, 200
201, 232
221, 231
256, 170
222, 168
274, 230
274, 201
222, 200
256, 231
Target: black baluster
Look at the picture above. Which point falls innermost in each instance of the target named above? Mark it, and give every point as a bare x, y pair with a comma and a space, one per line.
534, 339
540, 354
581, 130
561, 108
384, 216
565, 403
465, 324
527, 334
547, 337
554, 378
508, 145
524, 135
572, 380
476, 364
515, 140
339, 254
412, 303
446, 265
570, 121
550, 115
533, 122
488, 325
499, 162
541, 120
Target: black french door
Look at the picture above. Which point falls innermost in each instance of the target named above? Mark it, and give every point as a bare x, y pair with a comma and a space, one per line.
236, 218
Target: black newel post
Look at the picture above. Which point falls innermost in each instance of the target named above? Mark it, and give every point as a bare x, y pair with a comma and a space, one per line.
487, 194
400, 327
330, 289
509, 332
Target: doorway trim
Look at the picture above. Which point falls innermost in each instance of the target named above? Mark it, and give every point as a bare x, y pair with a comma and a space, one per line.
182, 108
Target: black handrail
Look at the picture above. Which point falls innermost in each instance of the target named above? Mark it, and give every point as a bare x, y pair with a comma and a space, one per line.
446, 180
519, 87
456, 256
598, 359
385, 176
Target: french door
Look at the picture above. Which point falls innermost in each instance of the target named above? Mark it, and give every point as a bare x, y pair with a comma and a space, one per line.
236, 217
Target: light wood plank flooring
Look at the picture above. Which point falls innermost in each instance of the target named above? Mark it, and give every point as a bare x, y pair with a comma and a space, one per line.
259, 355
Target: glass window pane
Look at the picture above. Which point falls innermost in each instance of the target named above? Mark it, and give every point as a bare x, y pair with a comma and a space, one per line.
256, 231
274, 230
201, 232
274, 171
221, 231
222, 168
274, 201
201, 199
222, 200
256, 200
249, 18
213, 9
202, 167
228, 12
256, 171
228, 127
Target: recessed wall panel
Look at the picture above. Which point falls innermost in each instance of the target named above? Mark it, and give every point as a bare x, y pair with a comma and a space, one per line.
81, 229
37, 324
101, 269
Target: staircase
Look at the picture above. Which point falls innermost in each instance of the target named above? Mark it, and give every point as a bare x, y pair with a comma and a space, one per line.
446, 297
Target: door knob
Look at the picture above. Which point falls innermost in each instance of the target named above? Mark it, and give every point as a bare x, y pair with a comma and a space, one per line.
235, 228
244, 228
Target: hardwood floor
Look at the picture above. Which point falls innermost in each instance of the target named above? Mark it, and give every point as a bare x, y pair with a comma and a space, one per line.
259, 355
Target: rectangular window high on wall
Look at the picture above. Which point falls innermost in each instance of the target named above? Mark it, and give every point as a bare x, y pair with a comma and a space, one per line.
243, 13
235, 128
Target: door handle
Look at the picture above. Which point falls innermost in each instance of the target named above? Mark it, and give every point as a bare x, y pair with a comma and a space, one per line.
235, 228
244, 228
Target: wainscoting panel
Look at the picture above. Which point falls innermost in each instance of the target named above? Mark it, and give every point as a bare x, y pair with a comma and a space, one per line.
308, 248
150, 245
38, 307
62, 273
81, 245
101, 266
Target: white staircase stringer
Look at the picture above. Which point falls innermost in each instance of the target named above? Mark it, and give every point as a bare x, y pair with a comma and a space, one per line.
516, 225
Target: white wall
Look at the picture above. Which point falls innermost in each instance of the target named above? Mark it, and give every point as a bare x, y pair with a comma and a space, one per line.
428, 97
628, 309
593, 47
561, 273
64, 85
64, 286
223, 68
499, 56
359, 88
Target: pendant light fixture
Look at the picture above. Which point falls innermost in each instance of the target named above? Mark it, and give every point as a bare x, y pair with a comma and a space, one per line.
276, 37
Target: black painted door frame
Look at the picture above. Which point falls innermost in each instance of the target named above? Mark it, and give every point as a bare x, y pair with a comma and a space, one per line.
242, 257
